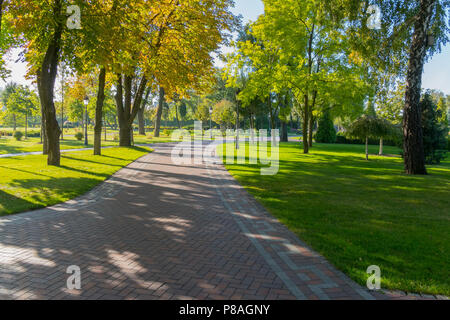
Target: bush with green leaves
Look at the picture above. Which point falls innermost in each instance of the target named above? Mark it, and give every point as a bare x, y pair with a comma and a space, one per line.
435, 133
18, 135
326, 133
79, 136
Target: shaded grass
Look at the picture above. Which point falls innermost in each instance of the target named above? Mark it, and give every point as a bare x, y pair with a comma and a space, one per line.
10, 146
27, 183
358, 213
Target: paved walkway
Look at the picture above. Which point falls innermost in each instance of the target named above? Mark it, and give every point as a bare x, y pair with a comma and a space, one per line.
160, 231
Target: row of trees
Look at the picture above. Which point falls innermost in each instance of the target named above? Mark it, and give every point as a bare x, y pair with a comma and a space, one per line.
318, 56
162, 46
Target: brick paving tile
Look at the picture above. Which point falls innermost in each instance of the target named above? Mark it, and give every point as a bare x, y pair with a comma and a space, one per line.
156, 230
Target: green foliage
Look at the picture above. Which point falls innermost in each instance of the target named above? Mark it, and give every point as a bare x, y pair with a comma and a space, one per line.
435, 133
368, 126
18, 135
79, 136
326, 132
182, 109
224, 113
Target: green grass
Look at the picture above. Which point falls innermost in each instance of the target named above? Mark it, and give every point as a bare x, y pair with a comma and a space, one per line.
358, 213
9, 145
27, 183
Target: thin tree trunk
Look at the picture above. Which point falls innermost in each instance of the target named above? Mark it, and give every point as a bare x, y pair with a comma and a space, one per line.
43, 135
141, 114
14, 122
381, 147
159, 113
126, 110
176, 117
105, 126
413, 149
141, 122
305, 125
26, 123
310, 129
62, 120
46, 87
367, 148
99, 112
284, 131
237, 121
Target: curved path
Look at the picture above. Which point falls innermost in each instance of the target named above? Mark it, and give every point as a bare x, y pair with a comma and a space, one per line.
160, 231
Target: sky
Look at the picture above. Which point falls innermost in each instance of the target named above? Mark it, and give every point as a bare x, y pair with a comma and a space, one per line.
436, 71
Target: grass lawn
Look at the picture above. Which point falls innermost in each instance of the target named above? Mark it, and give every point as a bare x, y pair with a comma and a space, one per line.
26, 182
358, 213
10, 145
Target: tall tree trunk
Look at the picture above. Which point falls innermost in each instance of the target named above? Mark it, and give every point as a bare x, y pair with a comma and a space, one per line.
413, 149
159, 113
141, 122
284, 131
310, 129
381, 147
62, 120
126, 110
141, 114
124, 128
14, 122
46, 87
43, 135
305, 125
237, 120
312, 119
26, 123
177, 118
367, 148
99, 112
104, 122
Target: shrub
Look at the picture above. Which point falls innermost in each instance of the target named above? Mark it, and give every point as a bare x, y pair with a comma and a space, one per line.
116, 137
326, 132
79, 136
18, 135
166, 132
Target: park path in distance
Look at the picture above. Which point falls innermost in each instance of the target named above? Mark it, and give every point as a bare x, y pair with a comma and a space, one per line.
156, 230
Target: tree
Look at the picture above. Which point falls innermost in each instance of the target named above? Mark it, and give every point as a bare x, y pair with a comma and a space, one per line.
224, 113
159, 112
202, 112
410, 31
10, 88
434, 132
173, 51
23, 101
141, 113
182, 108
413, 148
326, 132
368, 126
300, 47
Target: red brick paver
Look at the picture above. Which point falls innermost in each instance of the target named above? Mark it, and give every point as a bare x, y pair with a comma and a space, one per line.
156, 230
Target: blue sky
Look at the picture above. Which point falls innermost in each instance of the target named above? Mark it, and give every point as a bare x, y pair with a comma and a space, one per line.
436, 72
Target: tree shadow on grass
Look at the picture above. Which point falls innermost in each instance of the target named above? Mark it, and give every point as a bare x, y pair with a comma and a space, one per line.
11, 204
45, 192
